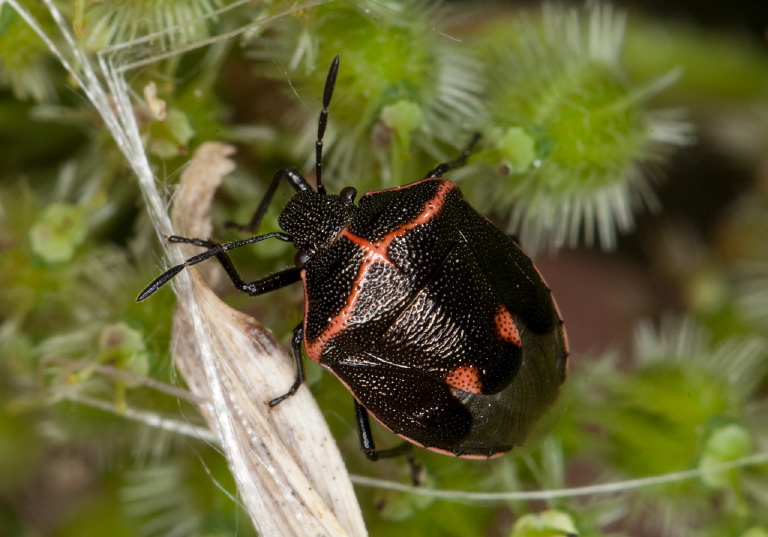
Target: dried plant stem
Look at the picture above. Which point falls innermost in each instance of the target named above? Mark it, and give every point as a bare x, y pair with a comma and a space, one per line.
288, 468
289, 473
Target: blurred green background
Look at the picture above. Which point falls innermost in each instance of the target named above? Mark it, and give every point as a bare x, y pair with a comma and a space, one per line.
629, 155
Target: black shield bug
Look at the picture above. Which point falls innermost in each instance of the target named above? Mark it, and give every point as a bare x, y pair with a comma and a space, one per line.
435, 320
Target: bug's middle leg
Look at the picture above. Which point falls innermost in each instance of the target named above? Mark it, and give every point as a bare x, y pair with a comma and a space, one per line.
298, 336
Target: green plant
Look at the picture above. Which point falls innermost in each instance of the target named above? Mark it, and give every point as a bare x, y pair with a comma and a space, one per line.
579, 108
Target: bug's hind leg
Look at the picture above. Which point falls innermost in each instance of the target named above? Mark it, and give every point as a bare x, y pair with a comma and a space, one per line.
440, 170
368, 447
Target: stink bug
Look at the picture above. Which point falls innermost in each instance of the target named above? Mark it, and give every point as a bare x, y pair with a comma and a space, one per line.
435, 320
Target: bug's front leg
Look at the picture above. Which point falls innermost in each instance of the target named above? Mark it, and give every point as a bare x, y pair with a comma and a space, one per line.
254, 288
368, 447
217, 250
292, 176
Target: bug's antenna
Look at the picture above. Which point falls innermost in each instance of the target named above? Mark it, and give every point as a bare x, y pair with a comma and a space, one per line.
330, 82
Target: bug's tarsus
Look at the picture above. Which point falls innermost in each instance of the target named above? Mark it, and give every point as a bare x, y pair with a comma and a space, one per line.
298, 336
368, 446
158, 282
440, 170
203, 243
330, 82
416, 468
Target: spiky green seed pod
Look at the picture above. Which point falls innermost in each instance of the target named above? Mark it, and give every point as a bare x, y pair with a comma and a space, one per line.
682, 383
25, 64
568, 131
58, 232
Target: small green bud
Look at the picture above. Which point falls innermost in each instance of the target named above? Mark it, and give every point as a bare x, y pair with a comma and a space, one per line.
171, 136
517, 149
724, 444
58, 232
123, 347
403, 117
756, 531
545, 524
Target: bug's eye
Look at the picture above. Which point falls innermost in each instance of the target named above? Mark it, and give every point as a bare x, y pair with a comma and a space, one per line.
300, 258
349, 193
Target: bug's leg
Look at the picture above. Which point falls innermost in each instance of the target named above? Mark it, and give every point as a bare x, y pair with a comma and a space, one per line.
440, 170
298, 335
294, 178
263, 285
275, 281
368, 447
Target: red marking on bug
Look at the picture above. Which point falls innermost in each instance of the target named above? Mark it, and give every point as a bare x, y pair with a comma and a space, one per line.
465, 378
506, 326
375, 252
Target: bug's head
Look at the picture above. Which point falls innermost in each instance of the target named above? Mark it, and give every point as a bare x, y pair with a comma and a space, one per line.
315, 220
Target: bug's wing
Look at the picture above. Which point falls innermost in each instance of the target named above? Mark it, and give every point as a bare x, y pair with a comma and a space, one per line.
444, 343
485, 329
472, 352
452, 329
407, 401
519, 286
510, 272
